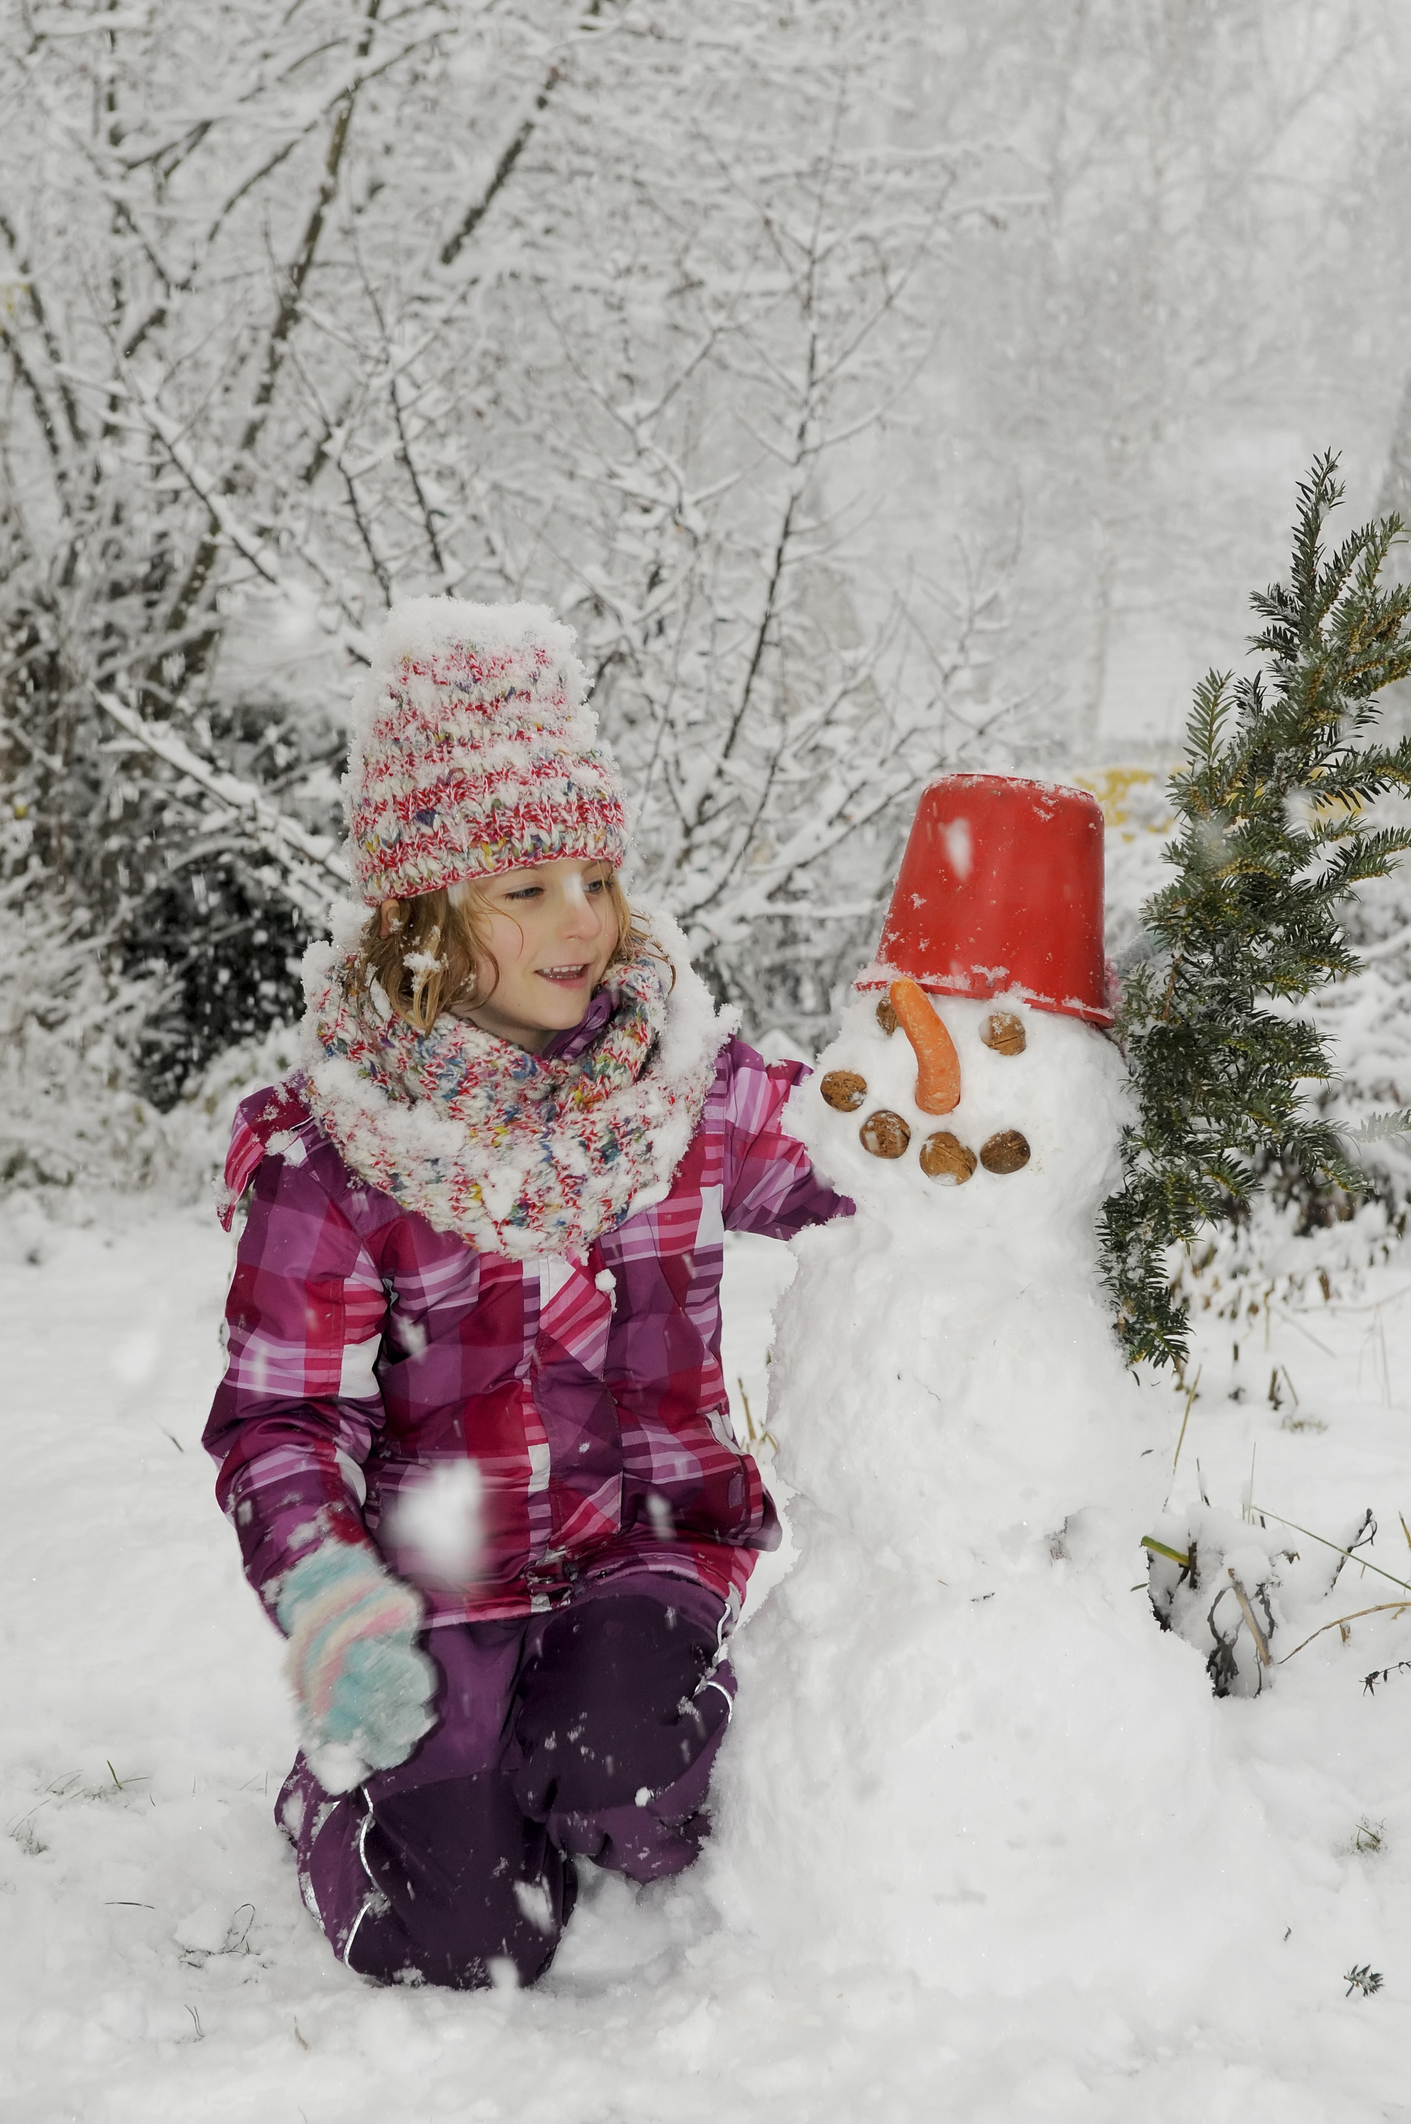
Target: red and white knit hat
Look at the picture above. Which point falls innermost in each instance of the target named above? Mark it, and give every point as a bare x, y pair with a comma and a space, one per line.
472, 751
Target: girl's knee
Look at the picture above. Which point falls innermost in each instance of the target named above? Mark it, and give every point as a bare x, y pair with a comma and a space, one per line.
472, 1947
446, 1884
461, 1886
619, 1723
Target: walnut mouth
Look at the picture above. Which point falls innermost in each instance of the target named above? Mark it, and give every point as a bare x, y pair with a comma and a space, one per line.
1005, 1153
945, 1158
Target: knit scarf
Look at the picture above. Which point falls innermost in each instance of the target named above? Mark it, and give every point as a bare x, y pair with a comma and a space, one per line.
521, 1154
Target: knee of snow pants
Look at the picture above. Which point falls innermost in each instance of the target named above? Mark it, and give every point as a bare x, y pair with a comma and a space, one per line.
460, 1882
590, 1732
617, 1732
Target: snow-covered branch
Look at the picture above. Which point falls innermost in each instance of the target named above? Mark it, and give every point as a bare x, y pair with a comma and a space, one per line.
270, 829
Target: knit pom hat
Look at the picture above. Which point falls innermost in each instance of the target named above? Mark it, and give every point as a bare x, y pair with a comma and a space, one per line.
472, 751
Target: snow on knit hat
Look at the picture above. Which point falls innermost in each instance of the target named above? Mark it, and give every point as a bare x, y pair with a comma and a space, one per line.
473, 752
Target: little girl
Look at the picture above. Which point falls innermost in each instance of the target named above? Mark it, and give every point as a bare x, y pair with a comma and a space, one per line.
473, 1434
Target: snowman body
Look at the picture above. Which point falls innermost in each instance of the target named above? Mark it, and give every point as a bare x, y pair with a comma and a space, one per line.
958, 1729
975, 1399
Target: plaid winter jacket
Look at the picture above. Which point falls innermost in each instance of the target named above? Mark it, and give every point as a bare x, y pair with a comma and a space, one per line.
366, 1349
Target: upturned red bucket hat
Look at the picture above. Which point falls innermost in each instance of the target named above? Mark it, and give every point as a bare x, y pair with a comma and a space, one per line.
1000, 891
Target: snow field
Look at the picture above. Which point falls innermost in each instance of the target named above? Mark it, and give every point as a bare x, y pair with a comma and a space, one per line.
133, 1910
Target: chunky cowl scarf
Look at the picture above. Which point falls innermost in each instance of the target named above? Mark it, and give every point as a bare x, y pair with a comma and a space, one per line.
521, 1154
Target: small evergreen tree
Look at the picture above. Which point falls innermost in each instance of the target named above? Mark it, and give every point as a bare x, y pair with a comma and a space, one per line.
1273, 838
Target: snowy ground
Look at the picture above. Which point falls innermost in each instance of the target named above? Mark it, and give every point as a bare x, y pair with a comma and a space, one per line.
157, 1963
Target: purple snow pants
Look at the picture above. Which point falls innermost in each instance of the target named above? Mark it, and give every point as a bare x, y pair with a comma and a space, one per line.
588, 1732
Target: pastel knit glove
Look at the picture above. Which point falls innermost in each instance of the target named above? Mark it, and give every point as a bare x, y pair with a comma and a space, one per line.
364, 1689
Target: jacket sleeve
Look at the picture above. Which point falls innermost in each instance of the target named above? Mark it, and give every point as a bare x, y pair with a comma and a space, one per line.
295, 1415
770, 1184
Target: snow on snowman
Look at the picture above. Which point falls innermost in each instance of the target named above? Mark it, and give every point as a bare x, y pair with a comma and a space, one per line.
958, 1727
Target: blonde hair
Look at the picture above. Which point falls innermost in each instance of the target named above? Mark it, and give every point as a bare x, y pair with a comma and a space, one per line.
437, 954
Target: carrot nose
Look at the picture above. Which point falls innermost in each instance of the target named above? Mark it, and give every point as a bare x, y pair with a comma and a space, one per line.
937, 1063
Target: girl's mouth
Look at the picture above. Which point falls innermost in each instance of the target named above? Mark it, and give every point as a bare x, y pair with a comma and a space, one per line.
563, 976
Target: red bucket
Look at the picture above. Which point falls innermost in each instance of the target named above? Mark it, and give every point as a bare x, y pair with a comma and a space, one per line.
1000, 891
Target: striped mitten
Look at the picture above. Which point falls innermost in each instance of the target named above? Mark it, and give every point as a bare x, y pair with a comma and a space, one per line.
364, 1689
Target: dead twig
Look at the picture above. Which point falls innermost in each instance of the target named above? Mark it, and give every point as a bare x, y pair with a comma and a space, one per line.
1382, 1674
1261, 1642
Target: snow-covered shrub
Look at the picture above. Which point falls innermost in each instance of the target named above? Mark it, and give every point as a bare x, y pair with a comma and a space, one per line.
1214, 1580
74, 1120
69, 1111
1245, 1592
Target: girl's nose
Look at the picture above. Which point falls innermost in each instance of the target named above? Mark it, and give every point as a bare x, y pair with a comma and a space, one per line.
582, 916
937, 1063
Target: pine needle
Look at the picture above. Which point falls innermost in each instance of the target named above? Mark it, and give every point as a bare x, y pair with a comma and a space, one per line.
1378, 1128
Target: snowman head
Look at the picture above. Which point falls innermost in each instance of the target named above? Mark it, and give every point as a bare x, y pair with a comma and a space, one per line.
987, 1112
970, 1069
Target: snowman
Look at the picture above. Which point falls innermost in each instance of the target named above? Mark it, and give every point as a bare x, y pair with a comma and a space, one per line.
959, 1735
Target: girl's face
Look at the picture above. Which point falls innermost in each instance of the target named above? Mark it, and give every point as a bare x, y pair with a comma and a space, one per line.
553, 929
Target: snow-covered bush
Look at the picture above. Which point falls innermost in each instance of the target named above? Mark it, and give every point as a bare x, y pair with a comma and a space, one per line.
74, 1122
68, 1112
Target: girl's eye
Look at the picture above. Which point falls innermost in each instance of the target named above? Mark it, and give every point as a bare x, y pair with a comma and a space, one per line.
597, 885
525, 892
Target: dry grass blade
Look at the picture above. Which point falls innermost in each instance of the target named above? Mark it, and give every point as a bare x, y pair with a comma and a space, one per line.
1191, 1393
1349, 1554
1383, 1607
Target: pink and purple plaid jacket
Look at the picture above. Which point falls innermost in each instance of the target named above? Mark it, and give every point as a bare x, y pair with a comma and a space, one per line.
366, 1348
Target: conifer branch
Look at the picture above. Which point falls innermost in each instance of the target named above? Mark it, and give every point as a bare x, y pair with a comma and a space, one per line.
1272, 839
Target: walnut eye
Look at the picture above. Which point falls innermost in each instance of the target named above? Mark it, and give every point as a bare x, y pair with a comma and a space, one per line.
844, 1090
1005, 1153
886, 1016
944, 1157
884, 1134
1004, 1033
